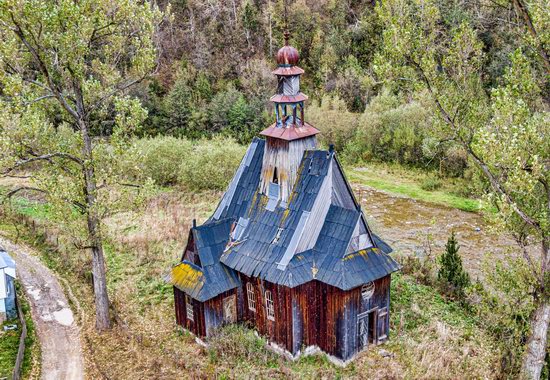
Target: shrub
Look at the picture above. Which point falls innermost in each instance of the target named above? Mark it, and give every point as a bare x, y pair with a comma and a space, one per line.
431, 183
454, 162
451, 272
390, 131
336, 123
160, 157
211, 165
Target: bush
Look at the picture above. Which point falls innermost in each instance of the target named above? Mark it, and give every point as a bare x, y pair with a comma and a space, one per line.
336, 123
431, 183
454, 162
451, 272
160, 157
211, 165
390, 131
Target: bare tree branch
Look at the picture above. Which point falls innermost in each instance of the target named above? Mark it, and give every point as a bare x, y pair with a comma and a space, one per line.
39, 99
24, 188
119, 88
45, 157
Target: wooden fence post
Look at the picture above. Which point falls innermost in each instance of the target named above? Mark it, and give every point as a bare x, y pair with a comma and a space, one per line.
21, 350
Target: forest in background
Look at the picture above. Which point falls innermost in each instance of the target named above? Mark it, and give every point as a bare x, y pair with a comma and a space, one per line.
214, 75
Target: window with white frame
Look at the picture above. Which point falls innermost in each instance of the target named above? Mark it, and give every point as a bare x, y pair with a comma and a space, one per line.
367, 290
270, 309
251, 296
189, 308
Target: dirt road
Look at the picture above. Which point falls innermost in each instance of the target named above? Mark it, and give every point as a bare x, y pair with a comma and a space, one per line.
57, 331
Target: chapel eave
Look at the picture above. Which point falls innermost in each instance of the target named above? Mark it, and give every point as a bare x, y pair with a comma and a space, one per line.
289, 134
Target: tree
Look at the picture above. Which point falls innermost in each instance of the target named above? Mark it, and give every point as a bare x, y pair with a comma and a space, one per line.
64, 68
451, 271
505, 130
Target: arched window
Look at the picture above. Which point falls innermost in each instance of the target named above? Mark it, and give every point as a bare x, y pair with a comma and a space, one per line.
269, 307
251, 296
275, 176
367, 290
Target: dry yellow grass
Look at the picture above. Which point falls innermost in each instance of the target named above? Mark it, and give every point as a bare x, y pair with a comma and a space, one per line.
146, 343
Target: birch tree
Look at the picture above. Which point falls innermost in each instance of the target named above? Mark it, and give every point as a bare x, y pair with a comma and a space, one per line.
504, 130
65, 67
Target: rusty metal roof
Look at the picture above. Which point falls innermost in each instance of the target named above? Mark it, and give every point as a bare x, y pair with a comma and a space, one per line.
290, 133
288, 71
280, 98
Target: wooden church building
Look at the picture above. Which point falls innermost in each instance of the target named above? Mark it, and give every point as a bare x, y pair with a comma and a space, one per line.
288, 249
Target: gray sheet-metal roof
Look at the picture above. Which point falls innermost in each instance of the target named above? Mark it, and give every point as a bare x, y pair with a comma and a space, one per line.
260, 256
256, 255
5, 260
240, 193
267, 235
211, 277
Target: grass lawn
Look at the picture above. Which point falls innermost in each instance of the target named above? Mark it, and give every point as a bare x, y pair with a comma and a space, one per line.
9, 341
9, 344
408, 183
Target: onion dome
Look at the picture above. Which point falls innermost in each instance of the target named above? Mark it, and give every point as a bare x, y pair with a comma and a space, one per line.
288, 56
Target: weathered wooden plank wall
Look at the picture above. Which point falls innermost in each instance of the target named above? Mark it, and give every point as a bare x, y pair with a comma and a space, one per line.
286, 156
197, 325
280, 330
313, 314
213, 311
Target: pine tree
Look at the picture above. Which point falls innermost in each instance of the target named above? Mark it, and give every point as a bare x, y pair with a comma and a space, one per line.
451, 271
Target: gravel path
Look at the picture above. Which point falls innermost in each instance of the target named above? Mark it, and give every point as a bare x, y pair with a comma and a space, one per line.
61, 352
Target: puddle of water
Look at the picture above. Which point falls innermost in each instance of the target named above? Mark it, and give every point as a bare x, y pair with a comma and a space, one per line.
64, 316
404, 223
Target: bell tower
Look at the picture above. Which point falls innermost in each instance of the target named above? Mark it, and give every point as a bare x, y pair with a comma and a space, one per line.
289, 136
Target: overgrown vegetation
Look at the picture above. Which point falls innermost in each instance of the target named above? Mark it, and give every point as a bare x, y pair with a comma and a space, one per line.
429, 334
9, 340
196, 165
9, 344
31, 360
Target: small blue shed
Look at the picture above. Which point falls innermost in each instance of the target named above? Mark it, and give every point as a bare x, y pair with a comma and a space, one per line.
8, 309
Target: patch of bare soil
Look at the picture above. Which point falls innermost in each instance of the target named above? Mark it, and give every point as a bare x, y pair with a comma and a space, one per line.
411, 226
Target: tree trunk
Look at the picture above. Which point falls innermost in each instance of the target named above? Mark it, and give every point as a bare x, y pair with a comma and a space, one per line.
103, 321
535, 354
533, 361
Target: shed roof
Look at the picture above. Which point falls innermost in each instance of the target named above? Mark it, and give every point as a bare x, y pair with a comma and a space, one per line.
211, 277
7, 263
